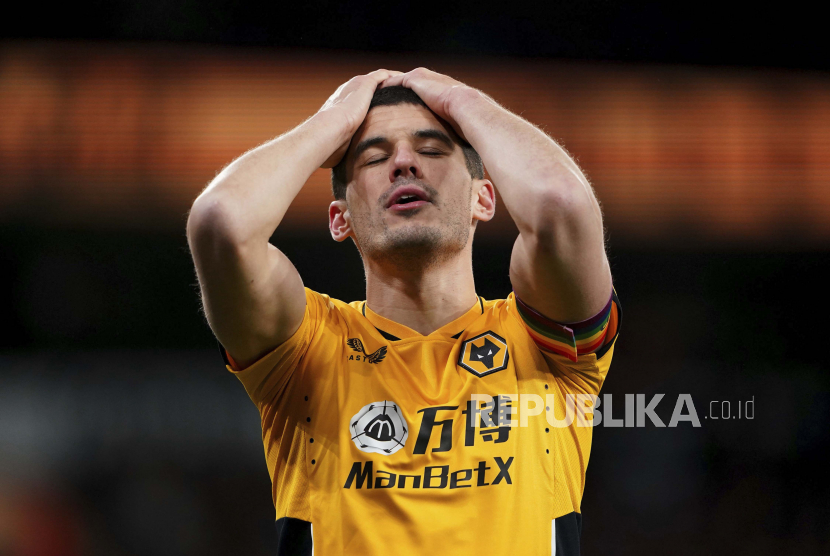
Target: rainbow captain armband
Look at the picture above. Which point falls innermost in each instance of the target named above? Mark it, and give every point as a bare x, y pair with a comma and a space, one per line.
572, 339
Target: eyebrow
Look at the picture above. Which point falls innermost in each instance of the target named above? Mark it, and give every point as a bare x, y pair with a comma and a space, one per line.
420, 134
435, 134
368, 143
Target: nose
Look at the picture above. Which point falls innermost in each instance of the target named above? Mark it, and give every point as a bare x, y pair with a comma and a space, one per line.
404, 164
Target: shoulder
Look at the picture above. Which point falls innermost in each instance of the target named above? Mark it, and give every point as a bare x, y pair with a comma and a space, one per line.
502, 308
332, 315
323, 304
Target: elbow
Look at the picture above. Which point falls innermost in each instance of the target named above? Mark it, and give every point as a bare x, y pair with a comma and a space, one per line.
557, 206
211, 224
202, 213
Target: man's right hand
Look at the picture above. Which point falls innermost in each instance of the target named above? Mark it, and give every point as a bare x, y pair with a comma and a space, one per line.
252, 294
351, 102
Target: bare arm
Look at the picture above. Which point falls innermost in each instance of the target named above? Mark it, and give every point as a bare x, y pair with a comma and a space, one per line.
558, 265
252, 294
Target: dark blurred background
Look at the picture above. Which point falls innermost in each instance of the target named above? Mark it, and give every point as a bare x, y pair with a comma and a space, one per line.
705, 129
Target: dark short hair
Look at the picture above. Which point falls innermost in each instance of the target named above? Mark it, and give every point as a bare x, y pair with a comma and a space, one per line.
392, 96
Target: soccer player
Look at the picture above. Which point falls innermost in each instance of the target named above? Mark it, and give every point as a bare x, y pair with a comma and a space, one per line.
390, 424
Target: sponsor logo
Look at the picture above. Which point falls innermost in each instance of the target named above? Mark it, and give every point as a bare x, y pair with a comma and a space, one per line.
484, 355
357, 345
379, 428
363, 475
489, 420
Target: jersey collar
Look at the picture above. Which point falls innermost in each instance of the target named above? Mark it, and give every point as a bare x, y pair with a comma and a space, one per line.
393, 331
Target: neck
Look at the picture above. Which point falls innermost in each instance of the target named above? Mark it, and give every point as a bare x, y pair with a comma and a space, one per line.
422, 297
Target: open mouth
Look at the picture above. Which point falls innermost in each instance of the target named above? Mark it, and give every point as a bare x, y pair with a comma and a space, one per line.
408, 198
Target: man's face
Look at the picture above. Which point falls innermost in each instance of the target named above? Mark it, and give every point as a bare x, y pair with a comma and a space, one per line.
409, 194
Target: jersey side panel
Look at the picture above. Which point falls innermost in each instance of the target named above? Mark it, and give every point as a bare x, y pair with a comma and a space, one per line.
573, 434
270, 383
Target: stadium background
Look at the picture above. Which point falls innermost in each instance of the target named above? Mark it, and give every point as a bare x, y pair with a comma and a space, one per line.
705, 131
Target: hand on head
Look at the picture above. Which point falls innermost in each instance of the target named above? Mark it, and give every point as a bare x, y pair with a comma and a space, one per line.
435, 89
352, 99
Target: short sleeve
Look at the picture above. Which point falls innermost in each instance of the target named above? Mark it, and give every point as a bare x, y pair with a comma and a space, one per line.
266, 378
578, 353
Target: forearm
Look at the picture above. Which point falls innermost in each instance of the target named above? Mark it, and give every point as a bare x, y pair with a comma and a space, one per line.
558, 265
539, 183
249, 198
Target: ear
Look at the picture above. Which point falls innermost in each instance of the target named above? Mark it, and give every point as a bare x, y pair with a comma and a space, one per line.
340, 221
484, 200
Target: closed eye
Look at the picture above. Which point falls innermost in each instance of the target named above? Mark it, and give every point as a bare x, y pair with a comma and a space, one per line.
425, 152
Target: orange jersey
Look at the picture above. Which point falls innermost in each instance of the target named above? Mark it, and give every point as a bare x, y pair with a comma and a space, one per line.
375, 444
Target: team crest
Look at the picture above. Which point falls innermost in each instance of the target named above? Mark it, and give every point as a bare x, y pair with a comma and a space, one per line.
379, 428
484, 355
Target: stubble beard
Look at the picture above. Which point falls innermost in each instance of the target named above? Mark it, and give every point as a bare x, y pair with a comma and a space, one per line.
416, 246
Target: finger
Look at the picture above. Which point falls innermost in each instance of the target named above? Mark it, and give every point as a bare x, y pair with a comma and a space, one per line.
390, 75
393, 80
381, 74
